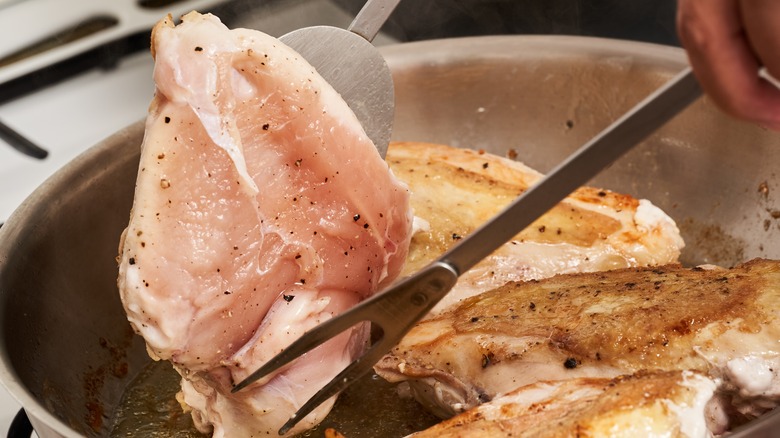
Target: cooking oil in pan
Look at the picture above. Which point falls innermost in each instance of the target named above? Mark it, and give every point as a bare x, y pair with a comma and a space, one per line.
369, 408
149, 407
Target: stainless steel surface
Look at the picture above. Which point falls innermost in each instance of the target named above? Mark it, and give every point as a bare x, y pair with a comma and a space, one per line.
61, 323
396, 309
66, 349
354, 67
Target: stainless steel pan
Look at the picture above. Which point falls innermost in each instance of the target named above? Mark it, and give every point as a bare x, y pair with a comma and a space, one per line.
68, 353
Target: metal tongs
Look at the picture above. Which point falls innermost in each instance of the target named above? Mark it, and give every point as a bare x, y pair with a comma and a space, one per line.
403, 304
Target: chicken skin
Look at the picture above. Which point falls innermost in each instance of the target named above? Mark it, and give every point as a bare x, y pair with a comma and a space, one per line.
722, 323
261, 209
455, 190
648, 405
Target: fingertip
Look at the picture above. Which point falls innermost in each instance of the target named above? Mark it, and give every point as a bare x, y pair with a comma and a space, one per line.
758, 104
725, 62
733, 81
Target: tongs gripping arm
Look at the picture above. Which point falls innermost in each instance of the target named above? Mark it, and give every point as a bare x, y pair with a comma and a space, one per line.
395, 311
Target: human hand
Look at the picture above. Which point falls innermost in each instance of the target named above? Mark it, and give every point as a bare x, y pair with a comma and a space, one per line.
728, 41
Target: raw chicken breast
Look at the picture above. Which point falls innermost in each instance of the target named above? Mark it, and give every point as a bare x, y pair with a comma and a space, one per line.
648, 405
724, 323
454, 191
261, 209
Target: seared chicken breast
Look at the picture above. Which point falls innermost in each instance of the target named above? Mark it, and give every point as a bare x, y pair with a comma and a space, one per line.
261, 209
454, 191
648, 405
722, 323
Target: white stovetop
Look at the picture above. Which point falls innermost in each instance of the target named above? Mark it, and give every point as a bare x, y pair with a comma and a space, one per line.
68, 118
